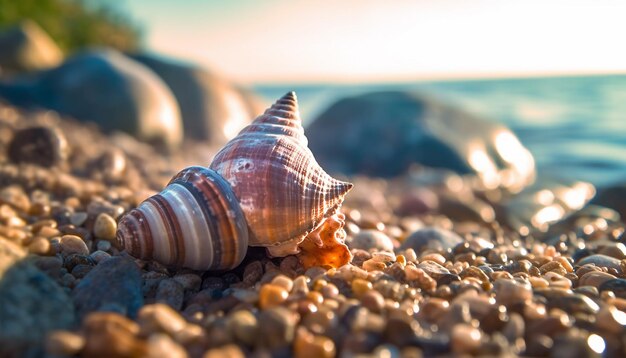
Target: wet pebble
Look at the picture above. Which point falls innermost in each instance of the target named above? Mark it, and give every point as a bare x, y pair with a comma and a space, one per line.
105, 227
509, 292
601, 261
431, 238
72, 244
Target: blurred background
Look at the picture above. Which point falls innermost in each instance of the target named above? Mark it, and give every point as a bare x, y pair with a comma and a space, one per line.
550, 71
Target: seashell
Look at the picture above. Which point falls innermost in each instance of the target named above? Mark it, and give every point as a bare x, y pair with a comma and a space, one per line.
264, 188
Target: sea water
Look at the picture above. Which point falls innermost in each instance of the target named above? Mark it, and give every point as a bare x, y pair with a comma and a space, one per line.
575, 127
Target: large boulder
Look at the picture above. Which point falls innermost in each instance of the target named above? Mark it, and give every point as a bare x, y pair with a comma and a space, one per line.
212, 108
105, 87
26, 47
383, 133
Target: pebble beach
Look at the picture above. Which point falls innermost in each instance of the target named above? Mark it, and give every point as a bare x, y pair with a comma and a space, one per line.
436, 270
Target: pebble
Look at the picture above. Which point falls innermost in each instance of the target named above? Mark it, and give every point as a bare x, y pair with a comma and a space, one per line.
72, 244
617, 286
103, 245
243, 326
111, 335
285, 282
99, 256
160, 317
308, 345
41, 145
465, 339
278, 327
601, 261
509, 292
161, 345
230, 351
371, 240
79, 218
113, 285
40, 246
64, 343
431, 238
171, 293
189, 281
272, 295
105, 227
360, 287
594, 278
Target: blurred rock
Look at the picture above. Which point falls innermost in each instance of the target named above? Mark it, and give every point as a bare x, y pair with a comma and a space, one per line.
431, 238
31, 304
107, 88
383, 133
45, 146
212, 108
113, 286
613, 197
26, 47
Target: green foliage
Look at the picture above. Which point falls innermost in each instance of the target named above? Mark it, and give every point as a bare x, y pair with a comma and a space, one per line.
74, 24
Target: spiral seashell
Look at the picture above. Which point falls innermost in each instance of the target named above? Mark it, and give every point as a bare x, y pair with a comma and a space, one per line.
264, 188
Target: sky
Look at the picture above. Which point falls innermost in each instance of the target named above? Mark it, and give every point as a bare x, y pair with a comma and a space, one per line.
288, 41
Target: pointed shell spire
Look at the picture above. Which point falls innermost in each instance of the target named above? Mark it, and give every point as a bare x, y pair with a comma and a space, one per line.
283, 191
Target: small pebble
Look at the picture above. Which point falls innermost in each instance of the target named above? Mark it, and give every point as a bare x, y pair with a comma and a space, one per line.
103, 245
272, 295
105, 227
284, 282
230, 351
72, 244
372, 240
39, 246
78, 219
465, 339
64, 343
360, 287
243, 326
170, 292
161, 345
160, 317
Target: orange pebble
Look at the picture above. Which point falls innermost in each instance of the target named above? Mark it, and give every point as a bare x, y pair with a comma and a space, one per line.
272, 295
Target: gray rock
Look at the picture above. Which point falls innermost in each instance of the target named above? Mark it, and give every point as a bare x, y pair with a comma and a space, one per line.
115, 92
383, 133
212, 108
45, 146
431, 238
113, 285
26, 47
371, 239
170, 292
31, 305
601, 261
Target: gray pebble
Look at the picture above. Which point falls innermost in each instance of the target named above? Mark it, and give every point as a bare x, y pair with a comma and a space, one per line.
170, 292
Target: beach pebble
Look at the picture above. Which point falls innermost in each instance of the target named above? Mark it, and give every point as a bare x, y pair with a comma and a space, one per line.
309, 345
72, 244
109, 334
465, 339
113, 285
64, 343
617, 286
509, 292
272, 295
371, 240
278, 327
189, 281
105, 227
99, 256
243, 326
161, 345
230, 351
594, 278
44, 146
601, 261
170, 292
431, 238
158, 317
103, 245
78, 219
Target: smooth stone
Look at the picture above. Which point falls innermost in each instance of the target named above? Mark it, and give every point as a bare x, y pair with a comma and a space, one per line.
114, 285
594, 278
190, 281
99, 256
161, 345
51, 265
212, 109
116, 93
170, 292
159, 317
431, 238
109, 334
601, 261
64, 343
278, 326
371, 239
103, 245
403, 128
40, 145
243, 326
574, 303
618, 286
465, 338
26, 47
105, 227
433, 269
31, 305
509, 292
72, 244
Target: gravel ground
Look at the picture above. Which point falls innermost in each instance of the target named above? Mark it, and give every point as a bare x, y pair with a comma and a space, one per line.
436, 270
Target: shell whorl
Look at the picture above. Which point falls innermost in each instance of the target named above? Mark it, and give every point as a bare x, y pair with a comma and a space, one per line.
195, 222
281, 188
